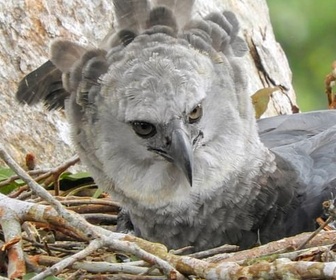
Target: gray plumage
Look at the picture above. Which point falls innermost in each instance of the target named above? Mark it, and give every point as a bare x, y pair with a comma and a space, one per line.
162, 119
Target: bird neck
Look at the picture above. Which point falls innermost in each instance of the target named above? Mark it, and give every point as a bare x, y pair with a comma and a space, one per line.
208, 211
165, 189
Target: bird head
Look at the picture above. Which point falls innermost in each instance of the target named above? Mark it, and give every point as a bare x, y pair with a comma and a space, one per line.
161, 109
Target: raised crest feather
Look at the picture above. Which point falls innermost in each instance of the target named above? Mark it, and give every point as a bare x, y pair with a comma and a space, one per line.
212, 34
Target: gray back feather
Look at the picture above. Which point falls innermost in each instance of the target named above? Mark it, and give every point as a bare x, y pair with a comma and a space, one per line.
287, 129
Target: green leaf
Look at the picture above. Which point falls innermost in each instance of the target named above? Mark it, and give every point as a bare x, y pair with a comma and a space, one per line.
261, 99
33, 274
8, 188
97, 193
6, 173
76, 176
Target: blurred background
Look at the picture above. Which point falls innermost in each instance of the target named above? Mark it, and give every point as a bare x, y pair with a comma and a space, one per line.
306, 30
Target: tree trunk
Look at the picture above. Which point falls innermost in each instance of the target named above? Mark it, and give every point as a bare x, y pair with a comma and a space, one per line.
28, 27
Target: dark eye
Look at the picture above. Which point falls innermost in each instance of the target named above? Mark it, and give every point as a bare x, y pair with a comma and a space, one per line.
195, 114
143, 129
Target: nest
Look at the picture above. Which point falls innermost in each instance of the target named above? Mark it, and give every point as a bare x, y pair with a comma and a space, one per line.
57, 223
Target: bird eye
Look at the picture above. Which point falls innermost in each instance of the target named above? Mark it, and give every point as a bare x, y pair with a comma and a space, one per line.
195, 114
143, 129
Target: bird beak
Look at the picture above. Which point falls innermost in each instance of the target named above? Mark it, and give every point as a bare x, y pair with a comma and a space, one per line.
180, 150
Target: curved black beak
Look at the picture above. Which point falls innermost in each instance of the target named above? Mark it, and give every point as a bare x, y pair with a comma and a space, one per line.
181, 152
177, 148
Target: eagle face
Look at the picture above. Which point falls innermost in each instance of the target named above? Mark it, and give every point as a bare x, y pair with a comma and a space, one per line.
161, 117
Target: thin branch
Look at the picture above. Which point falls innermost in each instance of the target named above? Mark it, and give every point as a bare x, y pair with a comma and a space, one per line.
277, 247
16, 177
215, 251
315, 233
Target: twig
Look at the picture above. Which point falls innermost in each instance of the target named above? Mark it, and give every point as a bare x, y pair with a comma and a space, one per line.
54, 172
277, 247
51, 247
99, 267
330, 209
315, 233
77, 274
96, 218
69, 261
84, 200
294, 255
215, 251
16, 177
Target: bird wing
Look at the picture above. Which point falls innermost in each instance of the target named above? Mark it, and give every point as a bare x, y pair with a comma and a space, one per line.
44, 83
306, 144
287, 129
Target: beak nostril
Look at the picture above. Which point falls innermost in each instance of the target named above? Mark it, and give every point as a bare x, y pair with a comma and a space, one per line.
200, 135
168, 141
177, 149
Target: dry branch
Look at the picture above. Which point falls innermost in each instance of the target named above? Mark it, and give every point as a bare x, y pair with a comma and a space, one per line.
278, 247
79, 226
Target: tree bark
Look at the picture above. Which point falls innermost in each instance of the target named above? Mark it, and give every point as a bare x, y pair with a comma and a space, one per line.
28, 27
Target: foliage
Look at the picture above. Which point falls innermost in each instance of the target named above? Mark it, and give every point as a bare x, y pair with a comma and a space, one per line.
69, 182
305, 30
31, 275
260, 100
5, 174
